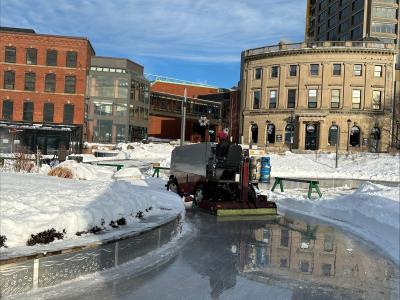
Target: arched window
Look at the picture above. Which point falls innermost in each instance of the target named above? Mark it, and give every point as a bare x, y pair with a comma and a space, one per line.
355, 134
68, 114
289, 133
270, 133
375, 137
333, 135
254, 134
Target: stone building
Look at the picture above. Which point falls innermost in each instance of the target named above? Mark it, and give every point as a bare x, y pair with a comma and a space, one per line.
306, 96
117, 102
42, 90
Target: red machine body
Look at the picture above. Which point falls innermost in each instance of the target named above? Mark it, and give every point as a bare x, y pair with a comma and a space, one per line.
217, 180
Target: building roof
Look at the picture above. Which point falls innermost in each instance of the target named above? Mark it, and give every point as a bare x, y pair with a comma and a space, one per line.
24, 31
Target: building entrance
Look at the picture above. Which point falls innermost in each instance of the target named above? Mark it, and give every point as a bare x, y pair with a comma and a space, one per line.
311, 142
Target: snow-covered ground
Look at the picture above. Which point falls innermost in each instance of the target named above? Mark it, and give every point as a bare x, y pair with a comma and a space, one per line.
371, 212
33, 203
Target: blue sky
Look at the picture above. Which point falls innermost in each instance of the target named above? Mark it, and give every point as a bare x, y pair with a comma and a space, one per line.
194, 40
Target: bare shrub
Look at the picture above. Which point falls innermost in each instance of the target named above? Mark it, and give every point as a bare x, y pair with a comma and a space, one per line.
23, 161
61, 172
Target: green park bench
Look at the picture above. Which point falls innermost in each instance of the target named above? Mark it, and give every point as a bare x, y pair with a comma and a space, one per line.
312, 184
157, 170
118, 166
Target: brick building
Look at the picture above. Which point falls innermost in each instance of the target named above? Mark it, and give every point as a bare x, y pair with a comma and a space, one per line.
42, 90
166, 96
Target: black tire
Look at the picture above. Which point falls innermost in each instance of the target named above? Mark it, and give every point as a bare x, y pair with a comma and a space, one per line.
172, 186
199, 194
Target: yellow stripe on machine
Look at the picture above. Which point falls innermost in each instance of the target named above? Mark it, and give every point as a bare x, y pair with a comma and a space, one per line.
246, 212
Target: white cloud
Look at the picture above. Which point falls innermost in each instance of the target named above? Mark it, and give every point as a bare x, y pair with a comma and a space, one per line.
199, 31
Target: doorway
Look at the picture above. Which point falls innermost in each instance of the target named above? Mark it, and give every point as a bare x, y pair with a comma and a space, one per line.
311, 142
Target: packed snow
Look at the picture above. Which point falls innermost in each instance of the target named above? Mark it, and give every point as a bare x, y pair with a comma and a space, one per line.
371, 212
32, 203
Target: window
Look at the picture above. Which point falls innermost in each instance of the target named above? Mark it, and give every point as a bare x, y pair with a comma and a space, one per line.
50, 83
31, 56
304, 266
333, 135
284, 238
120, 131
337, 69
378, 71
70, 82
51, 58
254, 133
335, 98
356, 99
283, 263
48, 112
355, 135
103, 109
256, 99
328, 243
376, 99
9, 80
314, 69
326, 269
293, 70
274, 71
71, 59
289, 133
291, 98
8, 108
383, 27
273, 98
312, 98
270, 134
357, 71
10, 55
28, 111
30, 81
257, 74
68, 114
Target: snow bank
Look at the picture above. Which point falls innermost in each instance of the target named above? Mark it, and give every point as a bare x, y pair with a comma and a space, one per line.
372, 212
367, 166
32, 203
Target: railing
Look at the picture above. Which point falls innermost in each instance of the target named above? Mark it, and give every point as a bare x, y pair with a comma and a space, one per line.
314, 45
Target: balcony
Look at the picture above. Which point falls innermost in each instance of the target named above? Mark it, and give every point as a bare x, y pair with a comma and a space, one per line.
319, 45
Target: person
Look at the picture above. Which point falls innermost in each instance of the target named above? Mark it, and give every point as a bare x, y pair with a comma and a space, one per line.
224, 143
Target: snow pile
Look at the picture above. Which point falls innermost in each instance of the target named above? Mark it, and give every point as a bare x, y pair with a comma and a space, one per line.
86, 171
372, 212
367, 166
128, 173
38, 203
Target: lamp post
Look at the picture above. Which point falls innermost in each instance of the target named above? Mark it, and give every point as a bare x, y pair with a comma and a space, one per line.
348, 133
183, 118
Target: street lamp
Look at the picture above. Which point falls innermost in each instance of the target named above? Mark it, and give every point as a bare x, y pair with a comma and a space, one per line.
348, 133
337, 143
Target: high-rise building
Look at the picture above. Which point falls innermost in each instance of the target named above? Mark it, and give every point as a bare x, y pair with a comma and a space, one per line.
345, 20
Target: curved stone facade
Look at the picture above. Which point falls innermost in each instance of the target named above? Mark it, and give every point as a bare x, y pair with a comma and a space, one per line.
319, 89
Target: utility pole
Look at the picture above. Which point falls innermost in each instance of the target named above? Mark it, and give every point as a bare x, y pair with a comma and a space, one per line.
183, 118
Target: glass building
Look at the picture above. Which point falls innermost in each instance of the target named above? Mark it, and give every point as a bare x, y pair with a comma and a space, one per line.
117, 102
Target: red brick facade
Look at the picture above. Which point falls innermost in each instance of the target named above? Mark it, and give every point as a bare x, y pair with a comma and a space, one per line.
178, 89
23, 41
